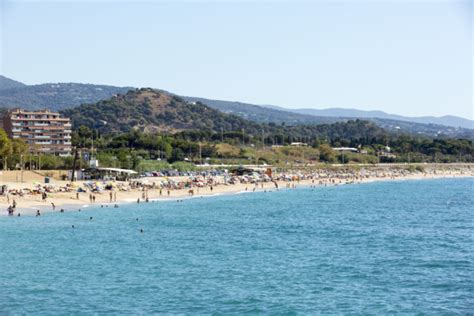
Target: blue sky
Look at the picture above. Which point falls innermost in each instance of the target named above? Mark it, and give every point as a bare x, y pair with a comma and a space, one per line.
404, 57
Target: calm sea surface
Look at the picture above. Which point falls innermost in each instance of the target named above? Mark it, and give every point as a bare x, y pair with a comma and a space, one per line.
400, 247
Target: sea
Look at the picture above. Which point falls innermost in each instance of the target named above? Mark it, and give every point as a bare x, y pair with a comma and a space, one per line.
398, 247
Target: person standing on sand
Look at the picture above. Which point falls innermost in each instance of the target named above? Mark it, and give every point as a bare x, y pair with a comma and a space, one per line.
115, 196
111, 196
93, 198
54, 206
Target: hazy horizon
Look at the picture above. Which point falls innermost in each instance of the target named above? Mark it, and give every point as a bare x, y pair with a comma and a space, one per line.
407, 58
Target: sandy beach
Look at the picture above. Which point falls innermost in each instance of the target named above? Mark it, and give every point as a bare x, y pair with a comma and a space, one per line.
152, 188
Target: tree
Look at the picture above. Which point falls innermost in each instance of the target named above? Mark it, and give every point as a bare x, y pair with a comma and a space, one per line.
5, 147
19, 151
177, 155
326, 153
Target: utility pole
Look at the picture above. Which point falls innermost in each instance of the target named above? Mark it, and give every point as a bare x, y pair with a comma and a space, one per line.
200, 153
92, 148
80, 160
21, 168
74, 165
222, 134
161, 151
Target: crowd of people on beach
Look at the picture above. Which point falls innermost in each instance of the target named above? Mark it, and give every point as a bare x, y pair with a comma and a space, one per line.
198, 180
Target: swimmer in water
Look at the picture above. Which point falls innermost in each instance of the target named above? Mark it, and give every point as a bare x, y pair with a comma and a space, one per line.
38, 213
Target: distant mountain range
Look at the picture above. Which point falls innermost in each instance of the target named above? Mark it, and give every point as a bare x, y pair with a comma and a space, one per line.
266, 114
59, 96
326, 115
6, 83
54, 96
448, 120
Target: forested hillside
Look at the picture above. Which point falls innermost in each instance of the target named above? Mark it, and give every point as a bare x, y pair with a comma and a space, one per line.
151, 110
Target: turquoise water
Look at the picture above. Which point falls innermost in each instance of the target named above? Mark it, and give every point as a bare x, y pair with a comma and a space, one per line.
400, 247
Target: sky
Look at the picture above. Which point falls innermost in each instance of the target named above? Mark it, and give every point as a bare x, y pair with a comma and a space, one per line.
404, 57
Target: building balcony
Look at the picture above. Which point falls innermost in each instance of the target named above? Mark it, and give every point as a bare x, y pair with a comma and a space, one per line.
43, 142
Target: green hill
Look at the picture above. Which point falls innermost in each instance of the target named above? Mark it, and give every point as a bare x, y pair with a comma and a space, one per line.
150, 110
53, 96
7, 83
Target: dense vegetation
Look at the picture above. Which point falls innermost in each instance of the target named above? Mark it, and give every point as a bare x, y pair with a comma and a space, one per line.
136, 149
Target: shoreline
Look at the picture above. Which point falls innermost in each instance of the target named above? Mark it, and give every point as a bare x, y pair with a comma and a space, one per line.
70, 204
